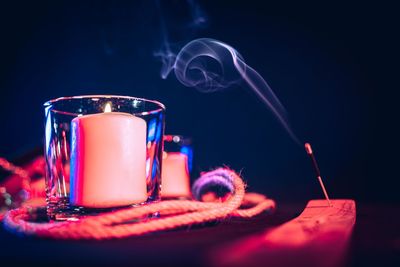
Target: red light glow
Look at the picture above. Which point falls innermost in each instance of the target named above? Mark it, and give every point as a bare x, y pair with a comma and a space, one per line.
318, 237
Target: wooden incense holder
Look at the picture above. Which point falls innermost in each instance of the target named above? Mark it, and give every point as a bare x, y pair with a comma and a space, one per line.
317, 237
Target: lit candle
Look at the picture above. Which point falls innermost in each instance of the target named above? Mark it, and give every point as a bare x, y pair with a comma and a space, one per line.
108, 160
175, 175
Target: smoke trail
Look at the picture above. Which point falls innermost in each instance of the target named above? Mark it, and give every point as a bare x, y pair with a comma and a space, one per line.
199, 17
195, 67
168, 50
210, 65
165, 54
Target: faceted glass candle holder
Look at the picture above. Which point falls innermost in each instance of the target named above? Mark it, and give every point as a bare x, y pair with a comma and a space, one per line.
102, 153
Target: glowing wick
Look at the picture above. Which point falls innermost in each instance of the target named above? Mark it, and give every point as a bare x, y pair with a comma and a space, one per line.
107, 107
318, 173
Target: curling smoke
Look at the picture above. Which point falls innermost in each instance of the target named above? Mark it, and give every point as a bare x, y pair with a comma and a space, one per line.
210, 65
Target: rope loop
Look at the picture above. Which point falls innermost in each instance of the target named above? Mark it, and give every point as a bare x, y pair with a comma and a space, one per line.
129, 222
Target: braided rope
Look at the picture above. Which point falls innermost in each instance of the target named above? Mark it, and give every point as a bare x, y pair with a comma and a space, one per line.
119, 224
8, 166
25, 184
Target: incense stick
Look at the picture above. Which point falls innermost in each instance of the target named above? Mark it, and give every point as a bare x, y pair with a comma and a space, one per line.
317, 171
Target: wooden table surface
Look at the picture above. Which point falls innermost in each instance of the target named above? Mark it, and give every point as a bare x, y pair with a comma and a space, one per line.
374, 242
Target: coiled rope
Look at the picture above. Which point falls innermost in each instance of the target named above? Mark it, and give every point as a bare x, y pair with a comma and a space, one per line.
129, 222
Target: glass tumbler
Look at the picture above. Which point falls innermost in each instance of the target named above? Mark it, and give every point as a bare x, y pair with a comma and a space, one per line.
177, 166
102, 153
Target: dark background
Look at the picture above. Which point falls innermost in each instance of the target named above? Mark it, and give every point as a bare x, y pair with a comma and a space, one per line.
327, 64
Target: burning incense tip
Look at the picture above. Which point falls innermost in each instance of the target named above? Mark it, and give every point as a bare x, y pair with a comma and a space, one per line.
308, 148
309, 151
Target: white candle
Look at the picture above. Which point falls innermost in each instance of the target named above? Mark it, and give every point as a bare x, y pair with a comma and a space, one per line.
175, 175
108, 160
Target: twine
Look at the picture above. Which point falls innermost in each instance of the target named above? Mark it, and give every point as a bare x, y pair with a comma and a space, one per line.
130, 221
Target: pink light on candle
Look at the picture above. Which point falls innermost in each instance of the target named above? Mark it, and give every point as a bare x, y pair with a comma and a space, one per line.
108, 160
175, 175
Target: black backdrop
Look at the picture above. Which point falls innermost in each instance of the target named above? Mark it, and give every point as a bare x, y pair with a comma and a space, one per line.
325, 63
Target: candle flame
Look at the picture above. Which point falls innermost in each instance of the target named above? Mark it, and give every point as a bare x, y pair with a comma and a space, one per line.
107, 107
